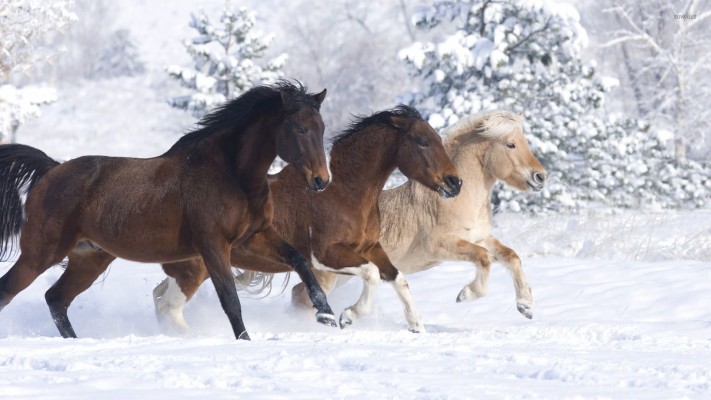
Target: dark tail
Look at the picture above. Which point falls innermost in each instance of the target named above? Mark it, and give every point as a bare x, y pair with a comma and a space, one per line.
20, 168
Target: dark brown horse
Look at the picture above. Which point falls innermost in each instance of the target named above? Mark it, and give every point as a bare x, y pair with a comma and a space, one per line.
340, 227
206, 194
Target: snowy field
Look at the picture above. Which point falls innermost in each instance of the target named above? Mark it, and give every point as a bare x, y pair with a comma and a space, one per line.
622, 311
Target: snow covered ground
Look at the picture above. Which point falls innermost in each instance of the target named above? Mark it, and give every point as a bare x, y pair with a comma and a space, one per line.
621, 312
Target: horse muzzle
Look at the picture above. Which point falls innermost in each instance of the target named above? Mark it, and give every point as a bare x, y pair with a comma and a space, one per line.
537, 181
318, 184
451, 186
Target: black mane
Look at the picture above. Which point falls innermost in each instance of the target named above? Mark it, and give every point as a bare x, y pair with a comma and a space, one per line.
378, 118
239, 112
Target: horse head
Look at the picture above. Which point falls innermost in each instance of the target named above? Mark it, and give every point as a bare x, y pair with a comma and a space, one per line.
509, 157
421, 155
299, 135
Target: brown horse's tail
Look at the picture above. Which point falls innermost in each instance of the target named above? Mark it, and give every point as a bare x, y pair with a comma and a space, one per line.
20, 168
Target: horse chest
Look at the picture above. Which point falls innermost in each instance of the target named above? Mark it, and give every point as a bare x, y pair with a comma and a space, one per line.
242, 216
472, 223
476, 234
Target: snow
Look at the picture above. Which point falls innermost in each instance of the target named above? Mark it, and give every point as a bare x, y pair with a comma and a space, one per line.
621, 312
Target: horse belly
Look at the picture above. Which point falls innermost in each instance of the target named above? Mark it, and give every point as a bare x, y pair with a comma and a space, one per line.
144, 234
413, 261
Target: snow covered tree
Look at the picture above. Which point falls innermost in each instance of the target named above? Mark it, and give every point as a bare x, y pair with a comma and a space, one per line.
25, 26
348, 46
17, 105
118, 57
526, 56
665, 47
224, 60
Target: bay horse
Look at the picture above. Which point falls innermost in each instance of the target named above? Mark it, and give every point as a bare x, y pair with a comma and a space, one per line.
207, 193
420, 231
340, 227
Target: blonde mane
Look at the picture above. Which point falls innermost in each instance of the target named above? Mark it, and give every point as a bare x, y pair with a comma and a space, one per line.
493, 124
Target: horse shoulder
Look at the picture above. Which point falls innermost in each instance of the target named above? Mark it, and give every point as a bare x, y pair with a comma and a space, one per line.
405, 224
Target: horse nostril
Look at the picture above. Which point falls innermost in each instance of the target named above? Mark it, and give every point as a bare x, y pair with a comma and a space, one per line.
319, 183
453, 182
539, 177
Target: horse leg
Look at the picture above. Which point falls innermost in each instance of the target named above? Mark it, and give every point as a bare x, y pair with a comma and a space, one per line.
270, 246
36, 257
300, 296
453, 247
512, 262
389, 273
171, 295
377, 266
217, 261
371, 277
82, 270
25, 270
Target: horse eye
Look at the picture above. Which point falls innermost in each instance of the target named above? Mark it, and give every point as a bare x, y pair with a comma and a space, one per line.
300, 130
423, 143
511, 145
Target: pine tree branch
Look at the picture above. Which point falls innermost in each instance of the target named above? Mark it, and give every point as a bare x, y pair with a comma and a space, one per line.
513, 47
403, 9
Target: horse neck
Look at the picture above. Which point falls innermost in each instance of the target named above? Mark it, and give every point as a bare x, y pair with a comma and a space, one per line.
469, 158
363, 163
254, 153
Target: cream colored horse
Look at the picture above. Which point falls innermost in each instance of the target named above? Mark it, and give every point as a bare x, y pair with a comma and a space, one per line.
419, 230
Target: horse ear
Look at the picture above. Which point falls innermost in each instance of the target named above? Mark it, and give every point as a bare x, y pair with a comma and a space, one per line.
403, 124
320, 96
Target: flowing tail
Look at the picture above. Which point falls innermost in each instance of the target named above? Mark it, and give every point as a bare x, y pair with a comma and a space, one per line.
257, 283
20, 168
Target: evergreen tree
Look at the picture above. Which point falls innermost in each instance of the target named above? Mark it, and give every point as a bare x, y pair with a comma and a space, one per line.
25, 27
118, 57
224, 58
526, 56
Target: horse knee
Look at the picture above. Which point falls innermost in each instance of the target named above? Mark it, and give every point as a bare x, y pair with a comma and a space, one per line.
509, 256
55, 300
159, 291
371, 273
482, 258
387, 274
167, 297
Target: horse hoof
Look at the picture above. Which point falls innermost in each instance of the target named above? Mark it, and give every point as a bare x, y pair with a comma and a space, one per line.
417, 329
326, 319
243, 336
465, 295
345, 321
525, 310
